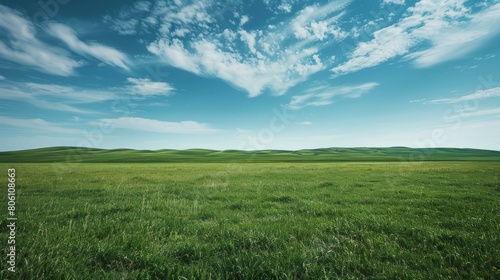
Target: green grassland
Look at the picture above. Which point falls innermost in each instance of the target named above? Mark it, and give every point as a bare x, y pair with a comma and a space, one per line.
81, 155
281, 220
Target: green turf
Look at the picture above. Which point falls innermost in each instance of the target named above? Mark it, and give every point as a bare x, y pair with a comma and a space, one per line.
81, 155
413, 220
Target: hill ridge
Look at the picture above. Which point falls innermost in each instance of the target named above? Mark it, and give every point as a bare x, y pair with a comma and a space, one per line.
95, 155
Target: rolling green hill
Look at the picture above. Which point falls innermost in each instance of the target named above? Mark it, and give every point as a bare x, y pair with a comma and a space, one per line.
79, 154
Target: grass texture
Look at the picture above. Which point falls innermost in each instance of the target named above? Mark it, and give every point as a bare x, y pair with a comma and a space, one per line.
288, 220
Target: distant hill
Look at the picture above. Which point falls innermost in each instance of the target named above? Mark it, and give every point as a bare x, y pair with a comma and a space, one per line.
78, 154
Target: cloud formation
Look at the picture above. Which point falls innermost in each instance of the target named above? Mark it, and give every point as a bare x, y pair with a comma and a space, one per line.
203, 38
21, 46
274, 59
397, 2
103, 53
150, 125
37, 95
450, 28
474, 113
326, 95
73, 99
459, 39
480, 94
147, 87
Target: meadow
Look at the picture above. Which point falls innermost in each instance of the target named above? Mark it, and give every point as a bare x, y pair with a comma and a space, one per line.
376, 220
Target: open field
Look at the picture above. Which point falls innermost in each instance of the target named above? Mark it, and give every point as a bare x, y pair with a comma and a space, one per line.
377, 220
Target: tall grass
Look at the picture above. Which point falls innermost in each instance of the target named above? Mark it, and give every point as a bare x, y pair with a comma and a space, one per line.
257, 221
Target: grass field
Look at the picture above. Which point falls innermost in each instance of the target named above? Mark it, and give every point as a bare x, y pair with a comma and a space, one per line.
427, 220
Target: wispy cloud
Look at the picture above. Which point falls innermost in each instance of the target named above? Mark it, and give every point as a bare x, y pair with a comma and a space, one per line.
22, 47
135, 19
69, 94
123, 27
448, 26
273, 59
2, 77
71, 98
147, 87
24, 94
388, 42
165, 18
460, 39
475, 113
304, 123
252, 74
480, 94
37, 124
150, 125
315, 22
103, 53
281, 6
397, 2
326, 95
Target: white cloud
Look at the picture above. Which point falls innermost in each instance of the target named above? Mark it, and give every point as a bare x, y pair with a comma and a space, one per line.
72, 99
387, 43
123, 27
148, 87
325, 95
133, 20
480, 94
190, 37
447, 25
319, 29
397, 2
249, 39
243, 20
181, 32
253, 75
194, 12
299, 31
150, 125
25, 94
461, 39
22, 47
281, 6
37, 124
304, 123
144, 6
175, 54
69, 94
271, 60
301, 101
285, 7
475, 113
165, 17
2, 77
105, 54
305, 25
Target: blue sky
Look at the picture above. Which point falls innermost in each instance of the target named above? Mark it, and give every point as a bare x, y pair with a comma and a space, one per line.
249, 75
